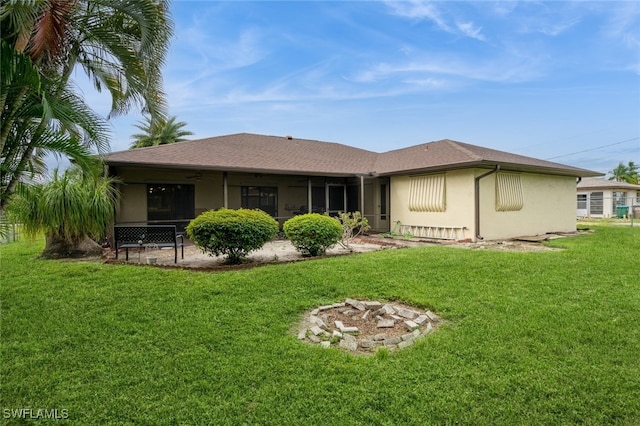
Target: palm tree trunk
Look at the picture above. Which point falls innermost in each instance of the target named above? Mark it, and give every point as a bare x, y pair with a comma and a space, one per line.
7, 122
6, 192
18, 171
57, 247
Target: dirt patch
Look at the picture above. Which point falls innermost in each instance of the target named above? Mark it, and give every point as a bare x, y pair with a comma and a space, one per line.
273, 252
282, 251
512, 245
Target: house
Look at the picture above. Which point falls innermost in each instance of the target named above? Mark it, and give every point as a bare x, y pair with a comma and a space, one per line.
444, 189
601, 198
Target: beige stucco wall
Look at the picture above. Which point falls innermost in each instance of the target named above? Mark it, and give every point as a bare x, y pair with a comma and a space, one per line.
459, 204
133, 206
549, 201
549, 206
133, 203
209, 190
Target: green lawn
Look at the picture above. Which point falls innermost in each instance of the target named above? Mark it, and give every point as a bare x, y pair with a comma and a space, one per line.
531, 338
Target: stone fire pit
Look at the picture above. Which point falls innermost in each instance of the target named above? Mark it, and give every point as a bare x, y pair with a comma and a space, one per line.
364, 326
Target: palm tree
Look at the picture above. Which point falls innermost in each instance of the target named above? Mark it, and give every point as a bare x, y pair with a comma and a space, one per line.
69, 209
40, 114
628, 173
121, 46
159, 131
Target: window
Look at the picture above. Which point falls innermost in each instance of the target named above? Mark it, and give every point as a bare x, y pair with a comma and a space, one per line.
170, 202
582, 201
596, 204
508, 192
427, 193
619, 199
319, 199
353, 201
336, 194
264, 198
383, 201
638, 197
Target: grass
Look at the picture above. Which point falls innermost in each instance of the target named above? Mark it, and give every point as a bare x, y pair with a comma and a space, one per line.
531, 338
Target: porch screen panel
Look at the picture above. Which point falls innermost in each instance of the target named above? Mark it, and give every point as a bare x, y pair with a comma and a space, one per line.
170, 202
264, 198
427, 193
509, 196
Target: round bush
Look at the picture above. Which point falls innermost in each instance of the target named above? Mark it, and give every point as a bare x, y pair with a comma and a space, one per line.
232, 232
312, 233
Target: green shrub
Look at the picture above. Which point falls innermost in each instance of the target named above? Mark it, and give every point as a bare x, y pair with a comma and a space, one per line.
312, 233
234, 233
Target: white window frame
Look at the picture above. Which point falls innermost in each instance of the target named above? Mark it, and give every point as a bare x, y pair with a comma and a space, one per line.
583, 201
596, 203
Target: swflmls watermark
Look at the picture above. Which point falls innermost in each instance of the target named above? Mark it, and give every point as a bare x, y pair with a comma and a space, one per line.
35, 413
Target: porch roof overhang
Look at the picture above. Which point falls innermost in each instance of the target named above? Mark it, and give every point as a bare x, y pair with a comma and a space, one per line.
230, 169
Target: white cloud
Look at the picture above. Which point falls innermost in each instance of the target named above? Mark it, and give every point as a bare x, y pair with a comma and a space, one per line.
513, 67
549, 18
418, 9
425, 10
468, 29
554, 29
624, 24
224, 53
427, 83
504, 8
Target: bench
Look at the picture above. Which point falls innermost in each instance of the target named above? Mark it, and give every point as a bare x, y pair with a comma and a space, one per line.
143, 236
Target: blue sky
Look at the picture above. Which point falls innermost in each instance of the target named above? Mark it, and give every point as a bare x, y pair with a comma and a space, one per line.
554, 80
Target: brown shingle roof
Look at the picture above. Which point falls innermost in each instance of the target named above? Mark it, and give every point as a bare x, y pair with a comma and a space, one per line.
275, 154
253, 153
448, 154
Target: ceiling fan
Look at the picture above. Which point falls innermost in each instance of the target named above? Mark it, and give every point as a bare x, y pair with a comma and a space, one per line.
196, 176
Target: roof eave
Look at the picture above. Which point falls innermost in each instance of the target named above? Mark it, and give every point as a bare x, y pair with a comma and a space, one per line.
592, 187
558, 171
234, 169
515, 167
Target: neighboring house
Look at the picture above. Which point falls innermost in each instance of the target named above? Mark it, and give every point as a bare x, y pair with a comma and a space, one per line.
601, 197
443, 189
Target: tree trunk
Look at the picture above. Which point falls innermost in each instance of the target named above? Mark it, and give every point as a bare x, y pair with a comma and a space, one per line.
57, 247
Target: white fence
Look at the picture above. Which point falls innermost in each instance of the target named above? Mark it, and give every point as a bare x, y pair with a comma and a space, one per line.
10, 232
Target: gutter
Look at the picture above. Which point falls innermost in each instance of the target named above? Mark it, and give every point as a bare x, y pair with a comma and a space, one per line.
477, 199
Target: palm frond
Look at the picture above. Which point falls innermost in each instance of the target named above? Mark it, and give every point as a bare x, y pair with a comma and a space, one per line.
71, 205
159, 131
